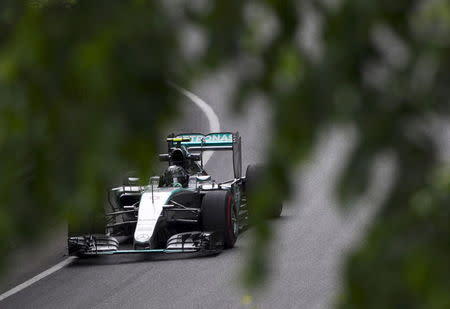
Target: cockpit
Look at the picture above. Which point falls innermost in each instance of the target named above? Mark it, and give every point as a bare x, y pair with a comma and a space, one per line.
174, 176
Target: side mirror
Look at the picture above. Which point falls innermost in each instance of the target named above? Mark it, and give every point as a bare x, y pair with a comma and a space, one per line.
195, 157
132, 181
203, 178
164, 157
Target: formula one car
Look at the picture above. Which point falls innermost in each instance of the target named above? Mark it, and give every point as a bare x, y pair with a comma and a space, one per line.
183, 210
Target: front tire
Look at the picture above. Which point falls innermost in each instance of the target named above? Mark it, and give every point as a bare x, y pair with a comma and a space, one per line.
218, 214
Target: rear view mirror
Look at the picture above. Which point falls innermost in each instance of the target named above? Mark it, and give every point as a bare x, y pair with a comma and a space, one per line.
164, 157
203, 178
132, 181
195, 157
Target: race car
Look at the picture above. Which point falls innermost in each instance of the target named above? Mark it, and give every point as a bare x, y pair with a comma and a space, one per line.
183, 210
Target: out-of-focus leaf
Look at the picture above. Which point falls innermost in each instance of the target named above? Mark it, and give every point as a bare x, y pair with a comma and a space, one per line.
83, 96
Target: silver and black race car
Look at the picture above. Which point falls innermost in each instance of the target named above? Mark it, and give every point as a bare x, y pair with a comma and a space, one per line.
183, 210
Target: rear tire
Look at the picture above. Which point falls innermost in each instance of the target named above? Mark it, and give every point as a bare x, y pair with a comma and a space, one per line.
218, 214
253, 176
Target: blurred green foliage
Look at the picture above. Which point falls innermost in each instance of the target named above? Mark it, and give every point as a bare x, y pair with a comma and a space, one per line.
83, 95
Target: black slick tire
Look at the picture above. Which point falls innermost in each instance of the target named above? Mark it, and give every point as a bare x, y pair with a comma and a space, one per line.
217, 214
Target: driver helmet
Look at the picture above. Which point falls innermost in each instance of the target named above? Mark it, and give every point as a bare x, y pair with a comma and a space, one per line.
176, 156
175, 175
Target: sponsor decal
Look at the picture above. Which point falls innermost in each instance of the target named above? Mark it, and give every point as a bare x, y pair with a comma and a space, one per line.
213, 138
142, 237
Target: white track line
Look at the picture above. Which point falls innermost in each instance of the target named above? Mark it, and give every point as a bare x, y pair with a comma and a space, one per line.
214, 124
36, 278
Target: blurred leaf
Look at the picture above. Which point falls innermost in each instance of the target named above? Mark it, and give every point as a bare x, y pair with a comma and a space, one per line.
83, 98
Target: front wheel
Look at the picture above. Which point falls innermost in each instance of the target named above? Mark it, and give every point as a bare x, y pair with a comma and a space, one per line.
218, 215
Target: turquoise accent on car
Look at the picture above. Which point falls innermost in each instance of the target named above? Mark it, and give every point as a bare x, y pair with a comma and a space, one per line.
175, 192
212, 139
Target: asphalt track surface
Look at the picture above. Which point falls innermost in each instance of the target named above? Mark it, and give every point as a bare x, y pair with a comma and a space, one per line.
310, 239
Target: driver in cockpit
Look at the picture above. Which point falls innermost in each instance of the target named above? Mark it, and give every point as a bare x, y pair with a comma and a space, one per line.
174, 176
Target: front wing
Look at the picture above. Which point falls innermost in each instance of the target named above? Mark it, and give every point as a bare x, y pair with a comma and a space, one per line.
205, 243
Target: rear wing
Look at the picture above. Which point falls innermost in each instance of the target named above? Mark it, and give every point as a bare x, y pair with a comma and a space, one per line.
212, 141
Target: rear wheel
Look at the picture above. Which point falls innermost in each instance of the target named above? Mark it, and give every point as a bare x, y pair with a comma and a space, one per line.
253, 177
218, 214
